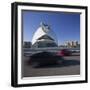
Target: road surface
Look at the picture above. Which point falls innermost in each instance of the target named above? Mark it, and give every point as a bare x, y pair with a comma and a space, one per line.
71, 66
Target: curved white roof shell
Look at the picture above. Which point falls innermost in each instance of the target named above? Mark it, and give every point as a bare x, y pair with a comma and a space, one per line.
43, 30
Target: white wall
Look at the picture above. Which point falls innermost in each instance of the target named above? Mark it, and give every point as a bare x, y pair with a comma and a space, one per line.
5, 46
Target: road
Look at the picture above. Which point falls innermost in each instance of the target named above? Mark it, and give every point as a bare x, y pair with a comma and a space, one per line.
71, 66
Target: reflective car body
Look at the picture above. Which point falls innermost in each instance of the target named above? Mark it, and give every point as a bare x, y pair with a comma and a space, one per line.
45, 58
64, 52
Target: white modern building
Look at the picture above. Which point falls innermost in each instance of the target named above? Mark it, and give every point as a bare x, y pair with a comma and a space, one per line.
44, 37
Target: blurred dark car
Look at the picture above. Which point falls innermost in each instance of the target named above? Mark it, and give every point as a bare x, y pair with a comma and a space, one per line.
64, 52
45, 58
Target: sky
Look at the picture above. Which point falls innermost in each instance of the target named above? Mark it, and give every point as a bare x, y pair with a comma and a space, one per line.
65, 25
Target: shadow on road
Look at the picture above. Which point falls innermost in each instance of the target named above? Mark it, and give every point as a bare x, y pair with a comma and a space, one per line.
65, 63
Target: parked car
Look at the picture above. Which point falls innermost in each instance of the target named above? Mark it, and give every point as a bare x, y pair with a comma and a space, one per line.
64, 52
45, 58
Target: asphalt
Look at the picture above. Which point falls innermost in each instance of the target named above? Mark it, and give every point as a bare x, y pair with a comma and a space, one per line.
70, 66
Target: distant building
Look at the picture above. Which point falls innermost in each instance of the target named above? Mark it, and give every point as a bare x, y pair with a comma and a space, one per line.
76, 43
71, 44
44, 37
27, 44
